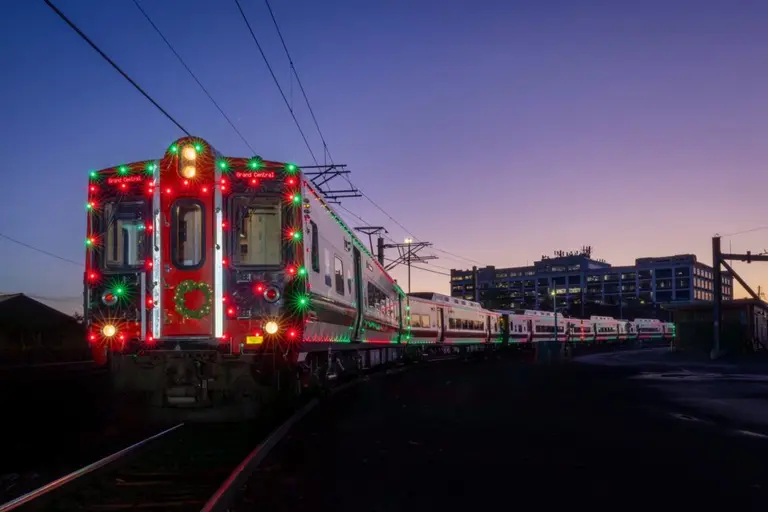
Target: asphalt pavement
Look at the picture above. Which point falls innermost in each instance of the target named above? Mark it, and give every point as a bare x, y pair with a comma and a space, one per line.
507, 434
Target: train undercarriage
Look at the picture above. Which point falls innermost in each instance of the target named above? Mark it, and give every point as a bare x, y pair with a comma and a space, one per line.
206, 385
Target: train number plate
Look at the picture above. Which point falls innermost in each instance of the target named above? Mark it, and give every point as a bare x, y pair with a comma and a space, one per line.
254, 340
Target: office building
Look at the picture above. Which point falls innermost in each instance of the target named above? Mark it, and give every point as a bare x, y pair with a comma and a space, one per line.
573, 278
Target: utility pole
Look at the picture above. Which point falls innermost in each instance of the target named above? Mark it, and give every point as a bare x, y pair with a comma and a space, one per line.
408, 254
719, 259
408, 242
370, 231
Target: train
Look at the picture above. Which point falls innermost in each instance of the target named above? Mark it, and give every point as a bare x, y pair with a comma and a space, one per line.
211, 280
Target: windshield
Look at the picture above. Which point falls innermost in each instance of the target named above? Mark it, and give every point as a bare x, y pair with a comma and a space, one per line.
124, 236
258, 231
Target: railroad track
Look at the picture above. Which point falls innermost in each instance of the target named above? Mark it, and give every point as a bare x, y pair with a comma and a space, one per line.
186, 467
177, 469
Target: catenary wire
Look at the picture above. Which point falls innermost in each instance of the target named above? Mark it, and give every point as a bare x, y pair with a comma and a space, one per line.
52, 255
271, 72
194, 77
112, 63
322, 138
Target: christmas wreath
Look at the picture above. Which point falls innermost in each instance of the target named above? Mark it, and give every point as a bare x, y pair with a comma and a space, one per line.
180, 299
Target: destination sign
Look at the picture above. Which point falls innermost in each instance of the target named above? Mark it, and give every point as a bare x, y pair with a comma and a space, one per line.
257, 175
116, 180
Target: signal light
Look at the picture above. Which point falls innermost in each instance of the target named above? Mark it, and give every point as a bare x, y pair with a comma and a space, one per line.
231, 311
259, 288
292, 333
271, 294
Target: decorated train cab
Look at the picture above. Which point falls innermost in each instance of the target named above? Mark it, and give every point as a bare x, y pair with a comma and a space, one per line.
204, 273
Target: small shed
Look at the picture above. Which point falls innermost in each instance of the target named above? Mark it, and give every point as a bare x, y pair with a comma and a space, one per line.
32, 333
744, 326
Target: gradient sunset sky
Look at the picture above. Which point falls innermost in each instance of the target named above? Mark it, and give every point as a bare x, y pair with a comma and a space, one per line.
498, 130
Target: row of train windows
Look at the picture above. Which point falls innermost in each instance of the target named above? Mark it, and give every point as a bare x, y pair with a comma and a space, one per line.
379, 301
420, 321
469, 325
375, 298
424, 321
548, 328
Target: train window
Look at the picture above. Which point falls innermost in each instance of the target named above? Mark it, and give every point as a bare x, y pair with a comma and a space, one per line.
315, 247
327, 261
338, 269
188, 233
125, 236
425, 322
258, 231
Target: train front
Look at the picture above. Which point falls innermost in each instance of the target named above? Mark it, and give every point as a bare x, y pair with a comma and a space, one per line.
195, 278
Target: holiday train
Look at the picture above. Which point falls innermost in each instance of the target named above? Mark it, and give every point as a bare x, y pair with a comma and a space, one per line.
210, 279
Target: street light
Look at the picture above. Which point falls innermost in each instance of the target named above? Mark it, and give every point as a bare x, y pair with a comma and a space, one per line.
408, 242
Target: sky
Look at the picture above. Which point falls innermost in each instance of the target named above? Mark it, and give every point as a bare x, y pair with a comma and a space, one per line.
498, 130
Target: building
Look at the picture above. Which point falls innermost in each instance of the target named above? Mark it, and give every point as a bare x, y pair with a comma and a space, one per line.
744, 327
31, 333
577, 278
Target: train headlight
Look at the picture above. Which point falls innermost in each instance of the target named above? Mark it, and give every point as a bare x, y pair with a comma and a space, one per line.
189, 153
271, 327
189, 171
109, 330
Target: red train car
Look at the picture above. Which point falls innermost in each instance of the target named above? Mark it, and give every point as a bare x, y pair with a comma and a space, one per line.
211, 279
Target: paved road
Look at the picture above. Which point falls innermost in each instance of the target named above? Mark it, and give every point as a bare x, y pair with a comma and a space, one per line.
733, 392
507, 434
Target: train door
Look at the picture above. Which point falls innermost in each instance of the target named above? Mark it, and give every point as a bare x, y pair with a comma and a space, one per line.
190, 245
488, 328
504, 323
530, 330
441, 324
358, 262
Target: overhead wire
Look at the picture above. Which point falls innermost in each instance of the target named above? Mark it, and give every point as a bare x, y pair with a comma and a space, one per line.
322, 138
298, 81
42, 251
277, 83
752, 230
114, 65
420, 268
194, 77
